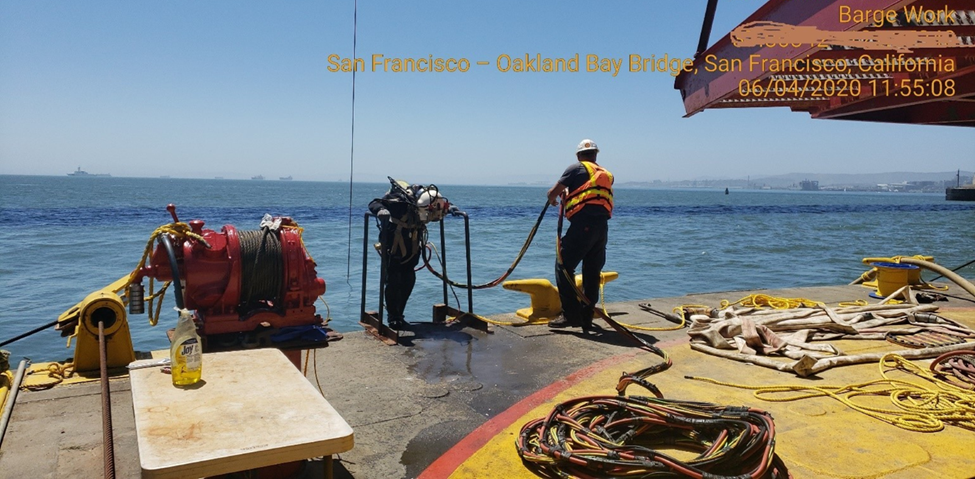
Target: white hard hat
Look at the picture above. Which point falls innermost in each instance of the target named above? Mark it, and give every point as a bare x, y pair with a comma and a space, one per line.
586, 145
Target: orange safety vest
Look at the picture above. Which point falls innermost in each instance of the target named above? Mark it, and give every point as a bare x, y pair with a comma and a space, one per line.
597, 191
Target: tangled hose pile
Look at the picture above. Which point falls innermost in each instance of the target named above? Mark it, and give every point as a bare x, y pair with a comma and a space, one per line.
956, 368
617, 436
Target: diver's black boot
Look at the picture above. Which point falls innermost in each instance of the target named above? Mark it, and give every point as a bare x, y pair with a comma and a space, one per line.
397, 323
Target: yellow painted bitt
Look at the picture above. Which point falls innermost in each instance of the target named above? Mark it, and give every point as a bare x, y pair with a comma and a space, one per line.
913, 275
546, 304
101, 306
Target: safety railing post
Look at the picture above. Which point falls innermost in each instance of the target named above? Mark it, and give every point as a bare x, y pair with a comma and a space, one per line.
443, 256
467, 242
365, 264
384, 254
374, 323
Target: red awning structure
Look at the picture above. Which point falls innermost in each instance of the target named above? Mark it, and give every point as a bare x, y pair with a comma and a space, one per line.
899, 61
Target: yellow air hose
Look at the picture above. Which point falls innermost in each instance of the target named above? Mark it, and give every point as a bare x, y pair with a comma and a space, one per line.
947, 273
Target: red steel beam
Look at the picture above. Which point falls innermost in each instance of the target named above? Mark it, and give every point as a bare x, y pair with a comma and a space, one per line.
948, 113
964, 86
720, 89
701, 88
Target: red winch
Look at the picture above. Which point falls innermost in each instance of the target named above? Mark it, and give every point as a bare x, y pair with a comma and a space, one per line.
239, 281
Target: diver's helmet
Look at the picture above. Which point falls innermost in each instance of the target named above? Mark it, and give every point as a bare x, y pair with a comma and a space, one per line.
432, 206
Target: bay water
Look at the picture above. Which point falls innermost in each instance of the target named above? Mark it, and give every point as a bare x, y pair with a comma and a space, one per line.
62, 238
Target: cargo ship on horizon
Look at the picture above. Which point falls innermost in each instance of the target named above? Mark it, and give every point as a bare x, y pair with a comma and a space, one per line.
80, 172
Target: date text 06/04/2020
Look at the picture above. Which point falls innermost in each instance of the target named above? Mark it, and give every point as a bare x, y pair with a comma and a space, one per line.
823, 88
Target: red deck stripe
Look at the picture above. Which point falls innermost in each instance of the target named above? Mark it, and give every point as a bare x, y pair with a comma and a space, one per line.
447, 463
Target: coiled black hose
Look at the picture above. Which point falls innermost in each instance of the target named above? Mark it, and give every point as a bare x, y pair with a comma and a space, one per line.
173, 265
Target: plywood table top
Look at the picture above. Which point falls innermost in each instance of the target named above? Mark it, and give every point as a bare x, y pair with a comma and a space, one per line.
251, 409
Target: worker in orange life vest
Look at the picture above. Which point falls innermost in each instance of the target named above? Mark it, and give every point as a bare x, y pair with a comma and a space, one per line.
586, 190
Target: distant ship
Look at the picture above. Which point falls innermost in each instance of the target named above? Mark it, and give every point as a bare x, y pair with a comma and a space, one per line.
80, 172
286, 178
258, 177
961, 192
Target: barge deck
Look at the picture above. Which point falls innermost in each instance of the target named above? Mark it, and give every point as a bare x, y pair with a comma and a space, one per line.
449, 401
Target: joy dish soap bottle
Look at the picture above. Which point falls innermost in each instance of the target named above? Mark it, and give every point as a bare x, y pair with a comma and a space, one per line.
186, 351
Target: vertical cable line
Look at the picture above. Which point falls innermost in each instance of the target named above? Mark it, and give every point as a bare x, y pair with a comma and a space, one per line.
348, 260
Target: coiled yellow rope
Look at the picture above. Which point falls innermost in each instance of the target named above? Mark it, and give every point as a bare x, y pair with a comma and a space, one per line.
56, 372
180, 230
764, 300
921, 407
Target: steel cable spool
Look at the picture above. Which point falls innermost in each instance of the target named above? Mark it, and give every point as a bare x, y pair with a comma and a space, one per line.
262, 268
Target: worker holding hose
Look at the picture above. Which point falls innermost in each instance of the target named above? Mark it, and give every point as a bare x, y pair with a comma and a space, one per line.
410, 208
586, 190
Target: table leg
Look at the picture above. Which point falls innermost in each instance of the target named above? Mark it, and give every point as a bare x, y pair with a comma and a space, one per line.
328, 467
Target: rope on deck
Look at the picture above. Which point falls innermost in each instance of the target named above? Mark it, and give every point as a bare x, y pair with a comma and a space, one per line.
920, 406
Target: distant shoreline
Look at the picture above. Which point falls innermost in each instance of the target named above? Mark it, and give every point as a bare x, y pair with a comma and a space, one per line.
878, 182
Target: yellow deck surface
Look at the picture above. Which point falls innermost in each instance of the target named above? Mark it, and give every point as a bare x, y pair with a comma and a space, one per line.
816, 437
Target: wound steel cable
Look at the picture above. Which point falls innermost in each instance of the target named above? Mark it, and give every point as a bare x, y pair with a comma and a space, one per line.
262, 267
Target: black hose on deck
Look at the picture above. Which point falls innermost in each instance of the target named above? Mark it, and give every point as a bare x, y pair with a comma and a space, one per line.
173, 265
499, 280
934, 279
28, 333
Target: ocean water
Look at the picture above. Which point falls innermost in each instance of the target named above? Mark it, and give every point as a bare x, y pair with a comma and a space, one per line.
63, 238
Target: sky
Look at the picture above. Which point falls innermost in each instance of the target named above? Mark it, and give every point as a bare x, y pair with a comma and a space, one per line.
238, 88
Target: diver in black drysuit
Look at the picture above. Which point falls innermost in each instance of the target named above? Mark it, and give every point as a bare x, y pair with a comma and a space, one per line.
403, 238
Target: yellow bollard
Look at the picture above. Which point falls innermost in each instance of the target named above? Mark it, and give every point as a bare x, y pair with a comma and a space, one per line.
106, 307
546, 304
545, 298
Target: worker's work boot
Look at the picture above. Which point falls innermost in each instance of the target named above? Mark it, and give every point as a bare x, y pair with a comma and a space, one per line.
562, 322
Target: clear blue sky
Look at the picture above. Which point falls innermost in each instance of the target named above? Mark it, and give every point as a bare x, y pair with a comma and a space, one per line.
237, 88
